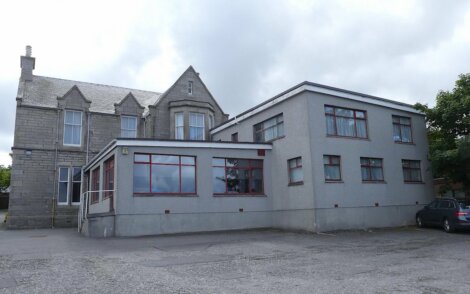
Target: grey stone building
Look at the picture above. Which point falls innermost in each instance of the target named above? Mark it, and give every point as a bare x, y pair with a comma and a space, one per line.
62, 124
313, 158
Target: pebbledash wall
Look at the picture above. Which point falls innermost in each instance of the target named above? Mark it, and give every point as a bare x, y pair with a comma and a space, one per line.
320, 205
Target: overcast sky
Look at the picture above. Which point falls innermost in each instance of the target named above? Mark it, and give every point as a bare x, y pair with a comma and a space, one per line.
245, 51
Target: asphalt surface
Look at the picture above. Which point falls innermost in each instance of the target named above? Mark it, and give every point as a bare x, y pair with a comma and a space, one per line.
405, 260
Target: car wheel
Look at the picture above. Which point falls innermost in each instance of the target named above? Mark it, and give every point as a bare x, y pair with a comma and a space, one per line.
419, 222
447, 226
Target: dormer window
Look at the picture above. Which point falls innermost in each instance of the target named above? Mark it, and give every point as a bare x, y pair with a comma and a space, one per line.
128, 127
190, 88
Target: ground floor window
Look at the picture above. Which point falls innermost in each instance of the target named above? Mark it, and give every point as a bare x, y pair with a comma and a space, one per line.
70, 182
108, 184
411, 170
332, 168
296, 174
164, 174
95, 185
237, 176
372, 169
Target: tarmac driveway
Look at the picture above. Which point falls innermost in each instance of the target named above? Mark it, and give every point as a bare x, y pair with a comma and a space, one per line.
405, 260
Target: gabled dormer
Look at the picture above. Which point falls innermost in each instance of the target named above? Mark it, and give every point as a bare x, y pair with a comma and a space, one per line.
73, 99
129, 106
130, 112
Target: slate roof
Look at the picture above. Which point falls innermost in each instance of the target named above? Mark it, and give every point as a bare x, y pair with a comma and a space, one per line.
43, 91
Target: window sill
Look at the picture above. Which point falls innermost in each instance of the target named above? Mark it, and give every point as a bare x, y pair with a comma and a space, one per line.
346, 137
374, 182
270, 141
164, 195
422, 183
296, 183
239, 195
334, 182
404, 143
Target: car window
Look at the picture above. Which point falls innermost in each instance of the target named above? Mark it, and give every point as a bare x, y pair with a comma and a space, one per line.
433, 204
464, 204
444, 204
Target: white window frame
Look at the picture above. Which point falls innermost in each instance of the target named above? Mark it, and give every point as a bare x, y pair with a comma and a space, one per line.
65, 124
70, 183
179, 126
203, 125
127, 117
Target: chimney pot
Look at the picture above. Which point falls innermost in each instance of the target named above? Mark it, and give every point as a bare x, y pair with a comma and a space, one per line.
28, 50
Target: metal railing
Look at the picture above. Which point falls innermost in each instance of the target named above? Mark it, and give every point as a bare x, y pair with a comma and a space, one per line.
84, 207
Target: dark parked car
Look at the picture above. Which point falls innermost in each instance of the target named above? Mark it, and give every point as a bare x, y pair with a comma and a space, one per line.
448, 213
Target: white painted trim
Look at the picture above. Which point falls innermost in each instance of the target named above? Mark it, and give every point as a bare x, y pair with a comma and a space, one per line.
315, 89
195, 144
175, 144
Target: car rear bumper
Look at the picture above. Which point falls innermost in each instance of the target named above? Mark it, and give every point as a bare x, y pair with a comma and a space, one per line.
462, 225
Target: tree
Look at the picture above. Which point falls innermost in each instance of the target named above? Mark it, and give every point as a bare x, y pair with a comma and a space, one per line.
5, 173
449, 133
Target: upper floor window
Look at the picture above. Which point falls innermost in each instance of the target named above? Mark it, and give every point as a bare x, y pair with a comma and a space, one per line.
345, 122
372, 169
402, 129
332, 167
235, 137
190, 87
70, 182
73, 128
211, 121
269, 130
296, 174
179, 126
128, 126
237, 176
411, 170
196, 126
164, 174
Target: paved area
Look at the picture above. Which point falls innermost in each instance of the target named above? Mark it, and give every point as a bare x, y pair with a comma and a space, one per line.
406, 260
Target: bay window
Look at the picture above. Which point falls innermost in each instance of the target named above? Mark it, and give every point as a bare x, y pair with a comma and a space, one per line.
196, 126
179, 126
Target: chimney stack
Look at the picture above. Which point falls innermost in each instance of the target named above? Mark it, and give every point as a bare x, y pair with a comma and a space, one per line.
27, 65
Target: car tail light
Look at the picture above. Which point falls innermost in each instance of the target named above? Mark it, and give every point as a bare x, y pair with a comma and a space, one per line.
460, 213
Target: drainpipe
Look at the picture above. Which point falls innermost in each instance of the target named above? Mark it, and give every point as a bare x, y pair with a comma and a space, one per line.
55, 169
145, 126
88, 135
